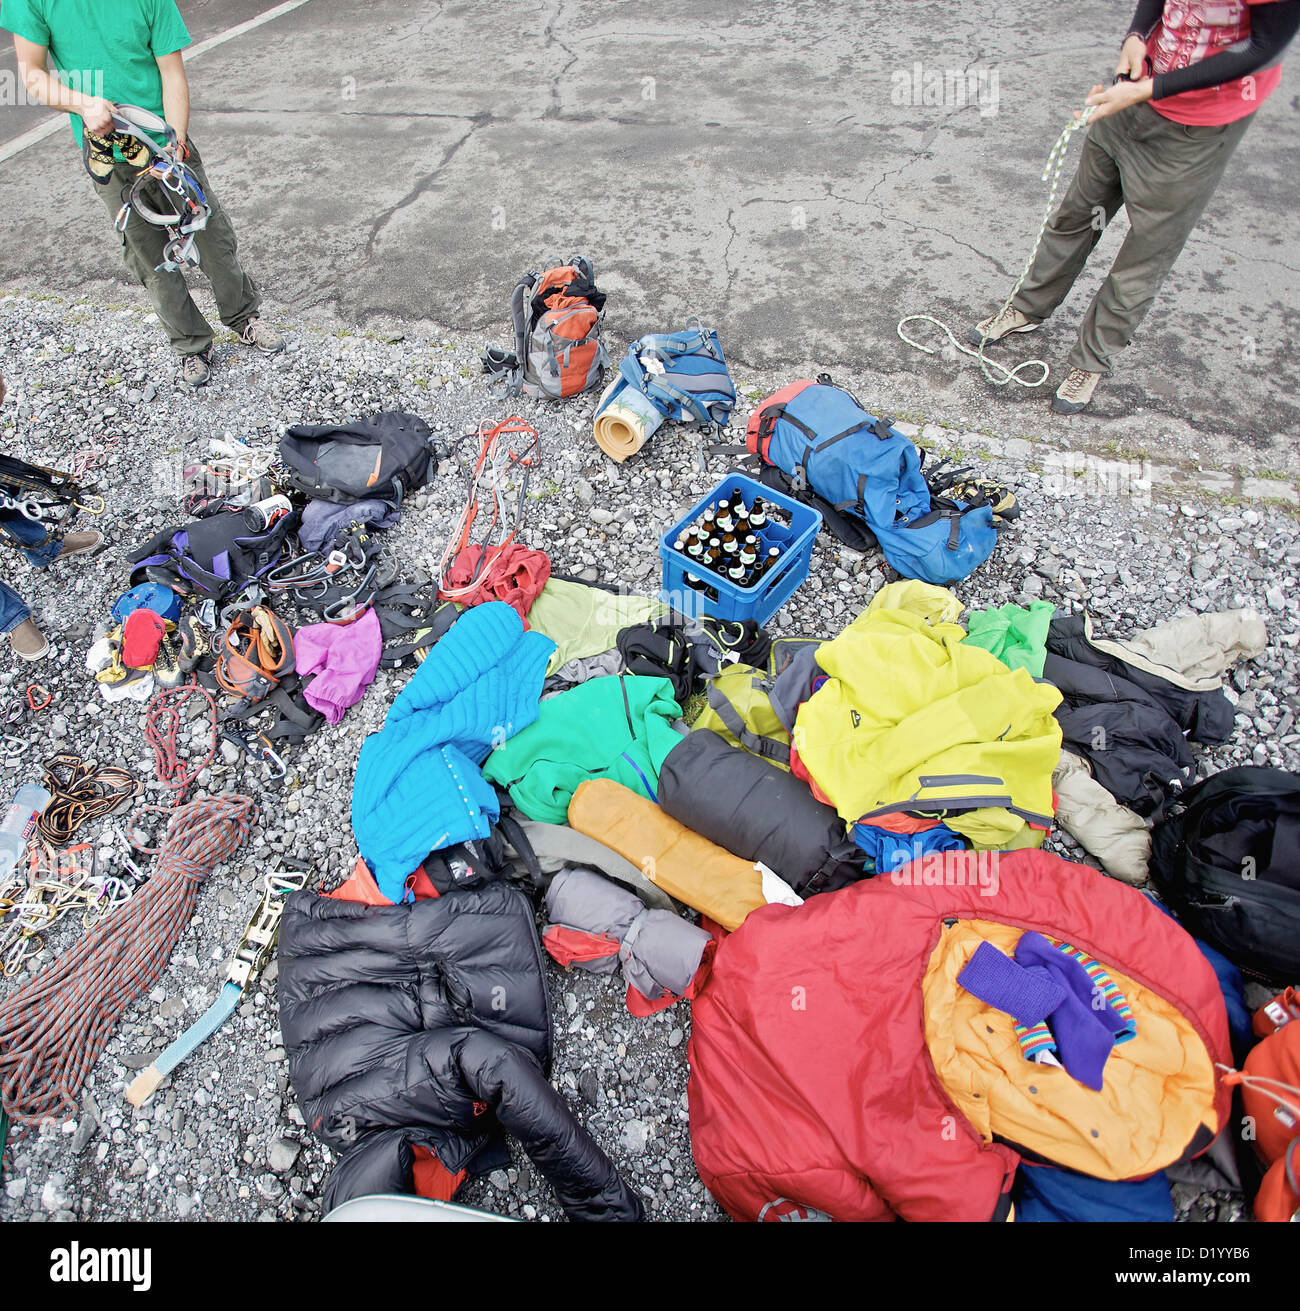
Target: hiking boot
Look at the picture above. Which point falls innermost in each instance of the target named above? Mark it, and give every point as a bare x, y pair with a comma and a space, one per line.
1002, 324
80, 543
1075, 392
261, 337
196, 370
28, 641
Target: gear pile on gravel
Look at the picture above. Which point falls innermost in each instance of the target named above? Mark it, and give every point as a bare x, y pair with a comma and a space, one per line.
223, 1139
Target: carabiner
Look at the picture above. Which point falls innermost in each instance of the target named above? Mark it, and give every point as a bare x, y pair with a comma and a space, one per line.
32, 689
14, 746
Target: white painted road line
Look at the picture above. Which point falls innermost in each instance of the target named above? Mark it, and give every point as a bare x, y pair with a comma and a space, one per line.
55, 122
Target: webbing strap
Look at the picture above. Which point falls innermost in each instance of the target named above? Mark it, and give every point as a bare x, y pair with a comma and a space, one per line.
751, 741
146, 1082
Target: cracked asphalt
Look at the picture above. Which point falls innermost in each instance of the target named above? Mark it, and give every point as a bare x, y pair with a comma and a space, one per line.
770, 169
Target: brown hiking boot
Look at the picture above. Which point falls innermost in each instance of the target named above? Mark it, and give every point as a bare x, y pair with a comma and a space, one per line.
80, 543
195, 371
262, 337
1075, 392
999, 325
28, 641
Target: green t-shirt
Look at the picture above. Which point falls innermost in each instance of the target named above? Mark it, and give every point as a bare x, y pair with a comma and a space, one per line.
106, 48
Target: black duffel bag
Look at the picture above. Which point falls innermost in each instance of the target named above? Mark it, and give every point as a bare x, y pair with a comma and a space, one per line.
757, 812
1225, 856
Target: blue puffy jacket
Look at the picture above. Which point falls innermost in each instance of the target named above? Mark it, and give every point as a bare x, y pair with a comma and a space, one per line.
418, 787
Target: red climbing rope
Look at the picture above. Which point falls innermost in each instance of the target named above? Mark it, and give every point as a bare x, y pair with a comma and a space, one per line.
54, 1028
162, 728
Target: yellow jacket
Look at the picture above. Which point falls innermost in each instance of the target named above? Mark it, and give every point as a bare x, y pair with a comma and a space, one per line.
912, 719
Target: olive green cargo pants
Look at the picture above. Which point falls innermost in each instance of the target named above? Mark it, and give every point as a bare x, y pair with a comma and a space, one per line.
237, 297
1163, 173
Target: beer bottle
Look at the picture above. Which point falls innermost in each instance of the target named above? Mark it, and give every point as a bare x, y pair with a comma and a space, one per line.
737, 573
706, 523
680, 543
742, 519
757, 515
725, 519
730, 543
748, 555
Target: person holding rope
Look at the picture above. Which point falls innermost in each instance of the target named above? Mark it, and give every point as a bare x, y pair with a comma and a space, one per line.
1190, 76
41, 549
129, 52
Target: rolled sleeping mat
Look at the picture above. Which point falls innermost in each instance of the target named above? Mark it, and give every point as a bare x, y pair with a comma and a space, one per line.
684, 864
625, 420
758, 812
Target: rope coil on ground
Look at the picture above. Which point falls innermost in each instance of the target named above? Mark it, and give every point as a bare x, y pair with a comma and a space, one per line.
990, 368
54, 1028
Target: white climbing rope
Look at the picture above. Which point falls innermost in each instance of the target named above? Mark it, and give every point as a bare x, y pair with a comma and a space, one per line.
1051, 170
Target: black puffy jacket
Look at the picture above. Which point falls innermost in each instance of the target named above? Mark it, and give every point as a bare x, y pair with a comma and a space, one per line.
428, 1025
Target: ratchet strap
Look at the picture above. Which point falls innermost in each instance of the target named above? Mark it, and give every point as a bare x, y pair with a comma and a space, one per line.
250, 958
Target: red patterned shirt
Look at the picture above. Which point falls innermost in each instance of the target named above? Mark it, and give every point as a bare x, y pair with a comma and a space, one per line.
1192, 30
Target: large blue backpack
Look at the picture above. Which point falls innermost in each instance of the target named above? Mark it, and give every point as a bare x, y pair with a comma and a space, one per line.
683, 374
826, 442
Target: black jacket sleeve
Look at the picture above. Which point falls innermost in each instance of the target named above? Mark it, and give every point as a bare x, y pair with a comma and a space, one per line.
1272, 28
1149, 13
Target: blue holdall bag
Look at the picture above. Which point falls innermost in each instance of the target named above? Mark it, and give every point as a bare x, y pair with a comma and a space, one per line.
683, 374
826, 443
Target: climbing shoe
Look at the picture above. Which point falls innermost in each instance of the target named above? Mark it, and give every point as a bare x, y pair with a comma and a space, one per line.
999, 325
80, 543
28, 642
1075, 392
166, 667
262, 337
192, 641
97, 154
196, 370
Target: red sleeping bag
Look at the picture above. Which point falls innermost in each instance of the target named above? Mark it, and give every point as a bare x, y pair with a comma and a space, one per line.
813, 1093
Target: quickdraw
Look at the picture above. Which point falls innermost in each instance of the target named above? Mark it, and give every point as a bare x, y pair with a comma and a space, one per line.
250, 958
55, 884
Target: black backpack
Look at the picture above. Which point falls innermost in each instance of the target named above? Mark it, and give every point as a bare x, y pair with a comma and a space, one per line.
215, 555
380, 458
1225, 856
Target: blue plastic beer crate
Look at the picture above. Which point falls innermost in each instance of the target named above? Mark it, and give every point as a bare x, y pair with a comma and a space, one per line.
761, 601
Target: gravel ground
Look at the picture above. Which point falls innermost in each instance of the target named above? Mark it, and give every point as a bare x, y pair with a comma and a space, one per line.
223, 1138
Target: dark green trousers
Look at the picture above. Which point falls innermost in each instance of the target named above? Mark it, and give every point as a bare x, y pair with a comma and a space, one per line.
142, 245
1163, 173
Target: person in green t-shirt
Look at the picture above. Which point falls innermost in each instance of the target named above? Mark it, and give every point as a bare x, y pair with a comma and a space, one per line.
128, 52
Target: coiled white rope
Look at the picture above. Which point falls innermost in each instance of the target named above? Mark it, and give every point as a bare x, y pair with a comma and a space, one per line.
990, 368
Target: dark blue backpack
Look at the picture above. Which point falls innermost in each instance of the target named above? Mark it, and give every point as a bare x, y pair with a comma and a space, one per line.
825, 442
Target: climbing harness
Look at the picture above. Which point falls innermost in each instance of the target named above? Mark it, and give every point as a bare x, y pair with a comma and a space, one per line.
163, 174
54, 1028
1051, 173
250, 958
79, 792
47, 496
490, 478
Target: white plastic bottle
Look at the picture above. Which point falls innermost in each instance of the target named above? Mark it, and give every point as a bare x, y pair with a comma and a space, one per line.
19, 823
